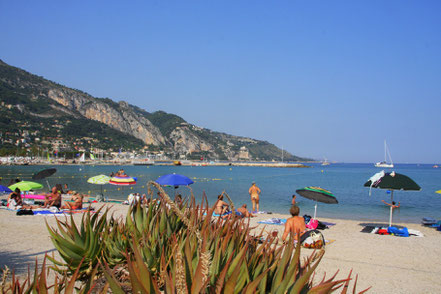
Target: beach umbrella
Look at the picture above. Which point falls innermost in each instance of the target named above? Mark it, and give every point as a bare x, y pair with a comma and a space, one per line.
4, 189
99, 180
391, 181
26, 186
122, 181
174, 180
318, 195
43, 174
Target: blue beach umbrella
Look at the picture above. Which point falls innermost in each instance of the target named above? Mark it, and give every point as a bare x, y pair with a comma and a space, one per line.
4, 189
174, 180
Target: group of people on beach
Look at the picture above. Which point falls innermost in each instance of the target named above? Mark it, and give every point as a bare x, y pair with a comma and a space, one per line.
52, 199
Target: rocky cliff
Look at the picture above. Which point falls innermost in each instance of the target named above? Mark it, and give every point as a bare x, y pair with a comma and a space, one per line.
39, 97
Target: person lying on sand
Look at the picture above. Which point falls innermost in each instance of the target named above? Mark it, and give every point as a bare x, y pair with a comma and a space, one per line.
294, 225
244, 211
77, 199
52, 199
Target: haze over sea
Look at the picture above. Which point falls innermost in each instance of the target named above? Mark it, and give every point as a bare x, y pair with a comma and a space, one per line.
277, 185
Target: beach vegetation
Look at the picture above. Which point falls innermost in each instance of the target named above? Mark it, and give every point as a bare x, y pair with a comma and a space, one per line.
169, 247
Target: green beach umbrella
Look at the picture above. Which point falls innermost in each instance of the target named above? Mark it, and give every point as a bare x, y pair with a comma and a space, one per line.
26, 186
318, 195
99, 180
392, 181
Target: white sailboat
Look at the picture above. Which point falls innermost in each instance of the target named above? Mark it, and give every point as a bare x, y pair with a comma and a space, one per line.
385, 164
83, 157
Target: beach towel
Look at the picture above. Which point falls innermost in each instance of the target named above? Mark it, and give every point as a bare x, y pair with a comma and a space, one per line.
273, 221
395, 231
398, 232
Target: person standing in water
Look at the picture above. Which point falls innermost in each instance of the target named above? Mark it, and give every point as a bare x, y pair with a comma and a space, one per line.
254, 193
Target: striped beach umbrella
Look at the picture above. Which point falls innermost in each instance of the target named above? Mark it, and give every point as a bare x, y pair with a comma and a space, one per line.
122, 181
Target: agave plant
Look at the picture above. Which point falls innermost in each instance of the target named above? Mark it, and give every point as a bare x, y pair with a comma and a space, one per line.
80, 248
180, 248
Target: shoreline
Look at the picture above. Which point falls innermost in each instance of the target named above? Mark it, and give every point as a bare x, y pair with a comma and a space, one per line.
408, 265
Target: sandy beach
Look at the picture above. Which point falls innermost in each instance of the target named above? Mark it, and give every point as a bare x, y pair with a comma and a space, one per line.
389, 264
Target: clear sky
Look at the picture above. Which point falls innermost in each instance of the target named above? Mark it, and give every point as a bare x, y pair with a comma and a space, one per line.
319, 78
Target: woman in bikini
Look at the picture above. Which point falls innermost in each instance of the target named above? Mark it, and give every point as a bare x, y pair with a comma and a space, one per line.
221, 206
77, 198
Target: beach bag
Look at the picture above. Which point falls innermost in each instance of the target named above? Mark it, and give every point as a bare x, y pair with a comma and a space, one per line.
313, 239
312, 224
25, 212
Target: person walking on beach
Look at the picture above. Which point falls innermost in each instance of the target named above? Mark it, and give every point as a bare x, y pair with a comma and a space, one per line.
254, 192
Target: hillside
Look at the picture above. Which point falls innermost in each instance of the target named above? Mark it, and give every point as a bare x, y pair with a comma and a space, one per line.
38, 113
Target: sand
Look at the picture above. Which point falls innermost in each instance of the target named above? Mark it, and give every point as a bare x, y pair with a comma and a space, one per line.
389, 264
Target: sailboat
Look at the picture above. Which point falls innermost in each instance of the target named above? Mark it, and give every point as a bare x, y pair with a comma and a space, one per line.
325, 162
384, 163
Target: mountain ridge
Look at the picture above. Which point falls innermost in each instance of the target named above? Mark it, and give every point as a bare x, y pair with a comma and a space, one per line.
50, 103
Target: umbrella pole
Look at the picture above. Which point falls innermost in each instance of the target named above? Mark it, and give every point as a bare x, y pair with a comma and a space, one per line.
315, 209
391, 196
390, 216
49, 186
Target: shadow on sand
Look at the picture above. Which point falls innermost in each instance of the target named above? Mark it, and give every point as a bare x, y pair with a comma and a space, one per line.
382, 225
19, 261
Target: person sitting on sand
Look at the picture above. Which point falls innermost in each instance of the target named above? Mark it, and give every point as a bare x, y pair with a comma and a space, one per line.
254, 192
15, 201
393, 204
67, 190
244, 211
294, 225
221, 206
52, 199
77, 198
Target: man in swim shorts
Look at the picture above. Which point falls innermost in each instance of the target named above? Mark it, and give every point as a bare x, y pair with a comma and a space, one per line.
295, 225
254, 193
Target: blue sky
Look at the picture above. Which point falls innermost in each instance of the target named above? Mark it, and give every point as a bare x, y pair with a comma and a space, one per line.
321, 78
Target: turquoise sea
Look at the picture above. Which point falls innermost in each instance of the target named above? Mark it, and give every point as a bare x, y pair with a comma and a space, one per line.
277, 185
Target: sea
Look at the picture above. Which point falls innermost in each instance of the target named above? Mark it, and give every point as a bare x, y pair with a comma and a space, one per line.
344, 180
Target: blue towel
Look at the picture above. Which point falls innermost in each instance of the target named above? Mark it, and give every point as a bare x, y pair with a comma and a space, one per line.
273, 221
398, 232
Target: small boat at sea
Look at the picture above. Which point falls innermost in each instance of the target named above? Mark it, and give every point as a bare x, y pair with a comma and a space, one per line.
385, 164
145, 161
